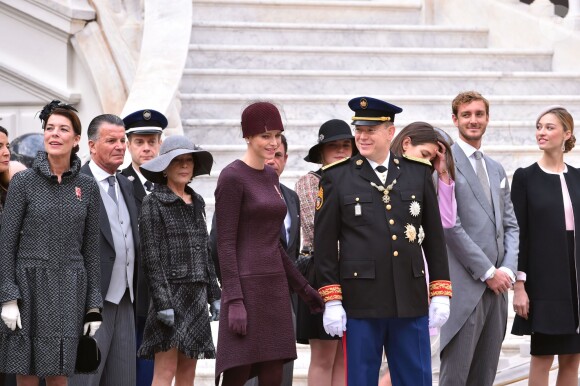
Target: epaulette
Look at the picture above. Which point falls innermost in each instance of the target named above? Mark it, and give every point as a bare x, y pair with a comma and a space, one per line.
417, 159
335, 163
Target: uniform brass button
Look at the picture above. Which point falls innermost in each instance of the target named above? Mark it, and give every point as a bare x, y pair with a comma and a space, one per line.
423, 272
355, 274
395, 253
413, 196
389, 207
391, 221
394, 237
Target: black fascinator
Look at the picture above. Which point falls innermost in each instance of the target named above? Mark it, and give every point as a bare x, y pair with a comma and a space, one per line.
47, 110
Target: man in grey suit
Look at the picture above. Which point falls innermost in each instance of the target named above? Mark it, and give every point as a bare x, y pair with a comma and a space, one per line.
483, 251
119, 252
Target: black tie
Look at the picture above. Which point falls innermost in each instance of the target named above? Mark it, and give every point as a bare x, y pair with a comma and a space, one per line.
381, 169
148, 186
382, 173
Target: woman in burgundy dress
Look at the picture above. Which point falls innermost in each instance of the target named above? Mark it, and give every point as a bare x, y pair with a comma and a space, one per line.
256, 336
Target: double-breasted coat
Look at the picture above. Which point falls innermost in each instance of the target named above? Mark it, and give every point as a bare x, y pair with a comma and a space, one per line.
379, 264
49, 261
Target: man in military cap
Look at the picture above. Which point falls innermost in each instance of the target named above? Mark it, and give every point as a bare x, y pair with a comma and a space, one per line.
375, 212
143, 129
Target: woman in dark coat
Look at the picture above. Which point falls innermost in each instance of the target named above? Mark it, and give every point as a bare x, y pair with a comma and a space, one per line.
546, 198
49, 258
256, 336
177, 264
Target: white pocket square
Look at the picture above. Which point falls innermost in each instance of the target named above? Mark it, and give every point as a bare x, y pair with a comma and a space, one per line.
502, 183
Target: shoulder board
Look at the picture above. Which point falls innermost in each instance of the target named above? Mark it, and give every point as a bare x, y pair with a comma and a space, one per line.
335, 163
416, 159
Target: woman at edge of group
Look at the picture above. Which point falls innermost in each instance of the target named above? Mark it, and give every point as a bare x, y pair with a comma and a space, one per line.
421, 140
546, 198
335, 142
177, 263
256, 335
49, 245
7, 170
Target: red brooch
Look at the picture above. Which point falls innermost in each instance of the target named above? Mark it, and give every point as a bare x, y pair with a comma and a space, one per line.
78, 193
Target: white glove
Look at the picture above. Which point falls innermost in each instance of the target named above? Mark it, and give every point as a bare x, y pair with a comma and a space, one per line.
93, 322
334, 318
438, 311
11, 314
91, 327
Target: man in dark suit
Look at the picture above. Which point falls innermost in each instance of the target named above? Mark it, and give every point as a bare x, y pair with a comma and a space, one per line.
289, 235
119, 251
143, 129
382, 212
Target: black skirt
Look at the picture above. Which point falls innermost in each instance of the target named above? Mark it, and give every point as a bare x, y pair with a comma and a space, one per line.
544, 344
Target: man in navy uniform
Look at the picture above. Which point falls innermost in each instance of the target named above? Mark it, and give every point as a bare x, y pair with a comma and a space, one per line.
143, 129
375, 213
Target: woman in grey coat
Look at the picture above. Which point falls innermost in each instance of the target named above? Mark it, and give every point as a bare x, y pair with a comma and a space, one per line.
49, 262
179, 271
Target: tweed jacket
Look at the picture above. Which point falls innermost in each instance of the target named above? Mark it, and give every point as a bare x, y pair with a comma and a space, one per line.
175, 247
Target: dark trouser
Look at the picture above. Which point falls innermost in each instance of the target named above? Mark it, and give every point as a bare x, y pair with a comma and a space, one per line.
144, 366
405, 341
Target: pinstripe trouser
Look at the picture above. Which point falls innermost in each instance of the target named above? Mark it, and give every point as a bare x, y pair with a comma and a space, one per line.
116, 339
472, 356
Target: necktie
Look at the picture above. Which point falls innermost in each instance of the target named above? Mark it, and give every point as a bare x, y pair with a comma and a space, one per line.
148, 186
111, 180
481, 175
382, 173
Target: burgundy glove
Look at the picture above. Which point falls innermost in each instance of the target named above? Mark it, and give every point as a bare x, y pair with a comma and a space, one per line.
237, 317
312, 298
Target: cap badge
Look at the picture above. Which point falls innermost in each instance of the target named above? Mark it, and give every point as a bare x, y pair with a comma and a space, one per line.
146, 115
363, 103
321, 138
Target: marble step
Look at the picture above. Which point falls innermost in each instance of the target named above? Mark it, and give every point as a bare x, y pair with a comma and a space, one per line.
305, 132
364, 35
308, 11
417, 107
373, 82
283, 57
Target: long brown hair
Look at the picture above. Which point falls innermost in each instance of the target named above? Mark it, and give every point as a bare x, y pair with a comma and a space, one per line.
420, 133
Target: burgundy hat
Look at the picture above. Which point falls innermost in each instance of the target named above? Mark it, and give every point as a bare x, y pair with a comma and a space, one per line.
260, 117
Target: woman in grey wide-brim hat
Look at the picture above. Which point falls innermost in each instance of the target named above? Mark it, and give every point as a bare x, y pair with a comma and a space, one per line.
177, 264
335, 142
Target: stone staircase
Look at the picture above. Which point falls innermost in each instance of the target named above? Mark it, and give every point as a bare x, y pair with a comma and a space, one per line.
310, 57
